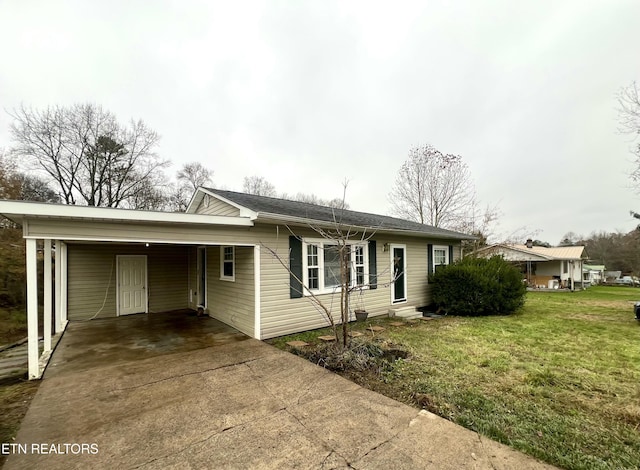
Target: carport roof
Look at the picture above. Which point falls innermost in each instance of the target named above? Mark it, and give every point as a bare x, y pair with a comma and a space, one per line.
18, 211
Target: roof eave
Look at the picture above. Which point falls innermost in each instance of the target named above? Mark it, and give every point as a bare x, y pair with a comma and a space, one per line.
279, 218
18, 211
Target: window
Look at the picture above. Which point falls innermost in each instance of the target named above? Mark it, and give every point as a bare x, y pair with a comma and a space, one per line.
358, 264
331, 266
227, 263
440, 256
312, 266
321, 268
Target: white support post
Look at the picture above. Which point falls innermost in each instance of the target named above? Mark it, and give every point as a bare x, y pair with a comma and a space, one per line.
58, 264
47, 296
32, 308
63, 284
257, 328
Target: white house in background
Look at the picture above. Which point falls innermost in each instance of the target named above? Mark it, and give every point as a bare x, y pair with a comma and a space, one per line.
218, 256
593, 274
556, 267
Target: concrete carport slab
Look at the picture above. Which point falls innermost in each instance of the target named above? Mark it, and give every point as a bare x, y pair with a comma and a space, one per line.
234, 403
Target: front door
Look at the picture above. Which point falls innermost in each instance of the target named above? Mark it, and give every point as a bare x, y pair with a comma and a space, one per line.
132, 284
398, 268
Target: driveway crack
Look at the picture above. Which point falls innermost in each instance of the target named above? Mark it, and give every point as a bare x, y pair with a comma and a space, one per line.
202, 441
488, 454
181, 375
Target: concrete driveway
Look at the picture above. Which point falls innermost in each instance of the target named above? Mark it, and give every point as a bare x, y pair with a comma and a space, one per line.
183, 392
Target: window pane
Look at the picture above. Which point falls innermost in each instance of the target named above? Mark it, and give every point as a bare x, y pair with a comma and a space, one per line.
359, 275
227, 269
439, 256
359, 255
331, 266
313, 278
228, 253
312, 255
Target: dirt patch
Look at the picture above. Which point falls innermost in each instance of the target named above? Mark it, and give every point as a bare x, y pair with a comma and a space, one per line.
363, 356
16, 394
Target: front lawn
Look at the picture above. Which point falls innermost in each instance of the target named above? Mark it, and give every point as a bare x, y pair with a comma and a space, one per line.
560, 380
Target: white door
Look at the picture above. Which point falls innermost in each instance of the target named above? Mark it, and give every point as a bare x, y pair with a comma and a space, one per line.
132, 284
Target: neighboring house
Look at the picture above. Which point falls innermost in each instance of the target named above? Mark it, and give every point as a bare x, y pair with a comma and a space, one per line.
543, 267
593, 274
218, 255
612, 276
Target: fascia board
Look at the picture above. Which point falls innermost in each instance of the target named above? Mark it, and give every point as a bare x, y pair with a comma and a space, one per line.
23, 210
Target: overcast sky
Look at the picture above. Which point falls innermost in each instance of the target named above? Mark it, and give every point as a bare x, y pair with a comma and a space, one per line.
307, 94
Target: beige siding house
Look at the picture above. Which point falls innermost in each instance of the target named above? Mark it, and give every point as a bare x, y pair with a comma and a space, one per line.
543, 267
249, 261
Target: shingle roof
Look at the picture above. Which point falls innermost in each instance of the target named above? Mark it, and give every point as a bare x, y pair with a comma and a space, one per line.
264, 205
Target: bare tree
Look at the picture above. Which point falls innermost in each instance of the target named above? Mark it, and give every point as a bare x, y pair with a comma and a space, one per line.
433, 188
189, 178
342, 240
336, 203
629, 115
88, 155
22, 186
259, 186
193, 175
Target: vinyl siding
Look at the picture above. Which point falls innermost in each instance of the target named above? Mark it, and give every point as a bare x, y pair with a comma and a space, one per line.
92, 278
192, 274
173, 280
216, 207
232, 302
281, 315
131, 232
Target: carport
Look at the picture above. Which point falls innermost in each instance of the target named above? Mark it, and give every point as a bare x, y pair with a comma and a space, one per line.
96, 264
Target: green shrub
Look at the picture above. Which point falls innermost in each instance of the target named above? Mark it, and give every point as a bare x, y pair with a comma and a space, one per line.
478, 286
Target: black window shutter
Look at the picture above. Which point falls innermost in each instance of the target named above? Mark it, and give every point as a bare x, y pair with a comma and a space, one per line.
295, 267
450, 254
429, 258
373, 273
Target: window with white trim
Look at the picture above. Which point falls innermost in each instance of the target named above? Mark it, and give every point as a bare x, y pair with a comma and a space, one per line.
227, 263
312, 267
321, 266
358, 265
440, 256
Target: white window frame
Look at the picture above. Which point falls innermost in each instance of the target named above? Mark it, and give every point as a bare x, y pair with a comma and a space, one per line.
231, 278
447, 261
321, 243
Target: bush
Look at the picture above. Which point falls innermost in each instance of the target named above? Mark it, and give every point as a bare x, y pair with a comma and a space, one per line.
478, 286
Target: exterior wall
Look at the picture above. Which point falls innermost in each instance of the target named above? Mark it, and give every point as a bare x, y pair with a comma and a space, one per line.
282, 315
549, 268
173, 280
232, 302
212, 206
192, 274
92, 278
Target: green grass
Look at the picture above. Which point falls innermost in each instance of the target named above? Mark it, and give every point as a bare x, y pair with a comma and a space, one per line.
559, 380
13, 325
